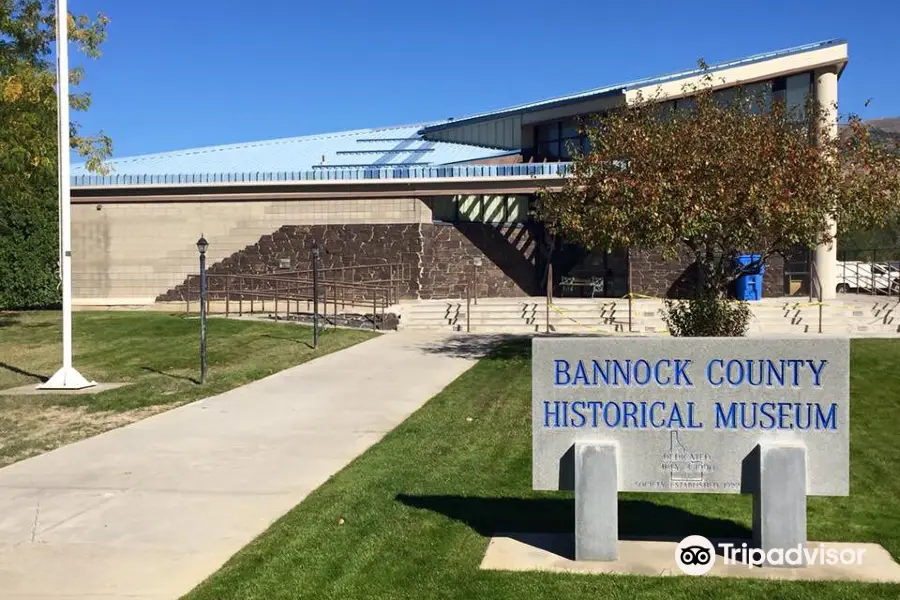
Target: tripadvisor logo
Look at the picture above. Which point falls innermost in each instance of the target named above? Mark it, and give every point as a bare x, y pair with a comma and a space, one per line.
696, 555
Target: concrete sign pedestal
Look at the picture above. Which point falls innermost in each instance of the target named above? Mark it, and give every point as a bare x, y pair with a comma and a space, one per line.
769, 417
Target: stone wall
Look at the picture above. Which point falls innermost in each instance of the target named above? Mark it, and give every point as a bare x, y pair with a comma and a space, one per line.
652, 275
370, 248
507, 255
438, 260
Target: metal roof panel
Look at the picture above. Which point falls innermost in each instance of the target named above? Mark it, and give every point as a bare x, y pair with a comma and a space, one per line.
361, 148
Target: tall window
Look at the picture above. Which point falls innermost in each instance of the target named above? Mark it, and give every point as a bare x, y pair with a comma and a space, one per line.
794, 91
554, 140
557, 139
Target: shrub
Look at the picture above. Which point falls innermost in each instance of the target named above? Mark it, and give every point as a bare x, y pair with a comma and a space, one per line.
707, 316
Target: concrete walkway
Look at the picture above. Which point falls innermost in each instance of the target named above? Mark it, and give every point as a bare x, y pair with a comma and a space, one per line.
152, 509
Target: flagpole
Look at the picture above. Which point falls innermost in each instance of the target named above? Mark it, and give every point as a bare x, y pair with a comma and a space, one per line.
66, 378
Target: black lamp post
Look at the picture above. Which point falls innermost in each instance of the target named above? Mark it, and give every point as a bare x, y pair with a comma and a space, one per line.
202, 245
315, 274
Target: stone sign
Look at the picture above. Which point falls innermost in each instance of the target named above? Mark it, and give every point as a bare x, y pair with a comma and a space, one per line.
686, 412
718, 415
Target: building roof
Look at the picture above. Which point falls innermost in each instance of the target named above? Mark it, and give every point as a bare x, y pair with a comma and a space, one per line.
622, 87
419, 151
362, 149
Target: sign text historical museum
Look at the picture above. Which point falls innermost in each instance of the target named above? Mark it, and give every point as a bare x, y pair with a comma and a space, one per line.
685, 413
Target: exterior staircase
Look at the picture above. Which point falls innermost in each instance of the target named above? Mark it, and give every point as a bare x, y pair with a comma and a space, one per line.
856, 317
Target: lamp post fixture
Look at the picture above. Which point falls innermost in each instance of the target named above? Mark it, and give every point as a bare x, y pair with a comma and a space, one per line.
202, 245
315, 273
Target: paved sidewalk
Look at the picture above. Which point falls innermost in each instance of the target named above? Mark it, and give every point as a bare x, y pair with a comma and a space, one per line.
151, 509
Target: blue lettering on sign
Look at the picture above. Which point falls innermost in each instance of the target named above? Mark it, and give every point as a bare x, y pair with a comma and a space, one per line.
666, 372
724, 421
716, 380
828, 421
733, 372
562, 368
620, 373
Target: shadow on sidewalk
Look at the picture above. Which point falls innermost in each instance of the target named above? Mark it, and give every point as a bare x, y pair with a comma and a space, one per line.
484, 345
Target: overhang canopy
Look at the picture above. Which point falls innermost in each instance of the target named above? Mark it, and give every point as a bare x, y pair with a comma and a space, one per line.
502, 129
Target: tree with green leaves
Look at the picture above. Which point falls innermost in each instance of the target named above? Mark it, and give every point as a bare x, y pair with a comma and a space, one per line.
735, 172
29, 238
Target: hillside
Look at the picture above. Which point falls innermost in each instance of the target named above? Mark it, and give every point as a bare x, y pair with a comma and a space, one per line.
886, 129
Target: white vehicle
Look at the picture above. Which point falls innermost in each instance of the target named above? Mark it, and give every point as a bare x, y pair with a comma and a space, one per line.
867, 278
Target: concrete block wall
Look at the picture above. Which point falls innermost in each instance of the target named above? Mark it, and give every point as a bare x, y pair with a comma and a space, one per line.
129, 253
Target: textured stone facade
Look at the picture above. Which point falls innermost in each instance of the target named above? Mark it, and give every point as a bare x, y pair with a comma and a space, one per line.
436, 260
450, 251
652, 275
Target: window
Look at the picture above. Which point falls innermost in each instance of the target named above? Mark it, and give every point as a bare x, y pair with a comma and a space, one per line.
480, 209
760, 96
685, 104
556, 140
548, 132
797, 89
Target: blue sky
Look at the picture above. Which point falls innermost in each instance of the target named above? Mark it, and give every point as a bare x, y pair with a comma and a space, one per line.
188, 73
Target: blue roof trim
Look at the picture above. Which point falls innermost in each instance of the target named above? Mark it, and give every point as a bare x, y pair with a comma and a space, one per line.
621, 88
352, 174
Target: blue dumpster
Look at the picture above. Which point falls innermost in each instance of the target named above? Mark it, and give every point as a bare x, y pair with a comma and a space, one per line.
749, 286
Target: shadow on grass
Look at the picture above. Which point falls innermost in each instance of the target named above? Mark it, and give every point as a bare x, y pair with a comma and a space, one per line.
287, 339
492, 346
520, 517
497, 346
171, 375
19, 371
9, 320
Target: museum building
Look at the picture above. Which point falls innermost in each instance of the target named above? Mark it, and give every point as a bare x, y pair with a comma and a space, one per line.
448, 200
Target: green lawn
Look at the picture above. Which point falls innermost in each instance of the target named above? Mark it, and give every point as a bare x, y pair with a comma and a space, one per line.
412, 516
157, 352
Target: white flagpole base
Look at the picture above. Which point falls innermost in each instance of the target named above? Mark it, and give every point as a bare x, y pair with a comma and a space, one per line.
66, 379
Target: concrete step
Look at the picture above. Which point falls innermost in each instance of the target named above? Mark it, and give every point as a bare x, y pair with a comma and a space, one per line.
497, 320
521, 329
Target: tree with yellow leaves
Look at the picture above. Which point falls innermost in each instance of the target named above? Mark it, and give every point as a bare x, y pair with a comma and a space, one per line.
28, 145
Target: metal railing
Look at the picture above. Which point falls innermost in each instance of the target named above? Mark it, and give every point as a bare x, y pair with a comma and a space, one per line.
289, 293
815, 289
872, 271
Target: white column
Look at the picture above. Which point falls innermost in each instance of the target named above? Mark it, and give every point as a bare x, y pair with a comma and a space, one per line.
67, 377
826, 254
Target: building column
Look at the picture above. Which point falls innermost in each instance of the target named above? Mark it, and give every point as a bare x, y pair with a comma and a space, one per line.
826, 89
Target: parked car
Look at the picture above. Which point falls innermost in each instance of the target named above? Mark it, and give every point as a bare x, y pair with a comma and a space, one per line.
868, 278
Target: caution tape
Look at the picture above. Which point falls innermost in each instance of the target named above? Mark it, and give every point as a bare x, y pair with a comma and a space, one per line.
633, 296
590, 328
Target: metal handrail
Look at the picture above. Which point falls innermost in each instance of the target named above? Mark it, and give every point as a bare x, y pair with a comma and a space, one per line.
297, 290
350, 268
815, 283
